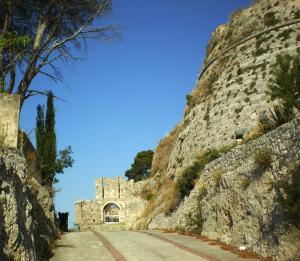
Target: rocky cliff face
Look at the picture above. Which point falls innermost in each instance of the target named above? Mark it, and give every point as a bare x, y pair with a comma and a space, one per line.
235, 199
27, 218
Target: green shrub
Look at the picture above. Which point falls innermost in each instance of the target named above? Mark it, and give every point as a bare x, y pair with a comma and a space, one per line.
186, 182
149, 197
262, 157
286, 84
285, 88
276, 117
270, 19
188, 98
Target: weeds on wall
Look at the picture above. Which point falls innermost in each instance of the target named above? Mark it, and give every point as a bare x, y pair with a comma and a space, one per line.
275, 117
204, 91
270, 19
262, 157
163, 151
284, 88
186, 182
217, 177
290, 201
195, 220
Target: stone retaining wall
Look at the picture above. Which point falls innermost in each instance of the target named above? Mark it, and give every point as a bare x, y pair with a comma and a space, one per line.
242, 208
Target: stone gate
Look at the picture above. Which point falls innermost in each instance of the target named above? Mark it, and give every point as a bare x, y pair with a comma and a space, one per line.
116, 207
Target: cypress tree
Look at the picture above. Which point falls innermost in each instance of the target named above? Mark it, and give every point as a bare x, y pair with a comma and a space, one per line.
46, 145
40, 131
50, 141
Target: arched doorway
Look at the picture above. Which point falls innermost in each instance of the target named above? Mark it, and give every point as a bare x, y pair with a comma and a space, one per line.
111, 213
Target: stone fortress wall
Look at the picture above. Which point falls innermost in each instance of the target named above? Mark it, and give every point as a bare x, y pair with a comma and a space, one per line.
237, 72
9, 119
241, 207
118, 191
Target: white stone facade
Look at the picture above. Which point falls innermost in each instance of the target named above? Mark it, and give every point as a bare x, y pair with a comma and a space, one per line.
119, 193
9, 120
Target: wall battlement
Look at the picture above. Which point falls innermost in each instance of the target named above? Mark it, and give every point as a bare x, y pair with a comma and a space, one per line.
9, 119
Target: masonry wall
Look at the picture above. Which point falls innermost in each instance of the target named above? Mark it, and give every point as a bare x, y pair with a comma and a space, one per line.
9, 119
237, 79
241, 206
89, 213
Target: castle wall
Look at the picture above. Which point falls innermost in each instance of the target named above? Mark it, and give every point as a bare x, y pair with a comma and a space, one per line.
123, 193
238, 94
9, 119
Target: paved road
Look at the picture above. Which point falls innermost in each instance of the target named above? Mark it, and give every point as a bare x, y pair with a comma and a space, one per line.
137, 246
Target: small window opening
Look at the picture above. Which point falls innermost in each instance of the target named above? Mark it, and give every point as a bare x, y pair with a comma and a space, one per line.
239, 135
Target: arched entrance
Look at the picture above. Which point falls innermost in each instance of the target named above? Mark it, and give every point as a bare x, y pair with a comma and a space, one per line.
111, 212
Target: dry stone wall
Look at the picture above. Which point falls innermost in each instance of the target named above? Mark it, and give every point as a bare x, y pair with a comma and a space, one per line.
9, 119
123, 193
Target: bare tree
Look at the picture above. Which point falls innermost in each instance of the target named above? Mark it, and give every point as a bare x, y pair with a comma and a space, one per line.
47, 30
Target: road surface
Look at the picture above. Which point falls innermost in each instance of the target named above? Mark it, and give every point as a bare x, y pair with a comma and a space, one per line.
137, 246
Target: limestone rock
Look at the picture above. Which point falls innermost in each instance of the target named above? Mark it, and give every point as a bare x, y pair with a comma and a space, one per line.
27, 218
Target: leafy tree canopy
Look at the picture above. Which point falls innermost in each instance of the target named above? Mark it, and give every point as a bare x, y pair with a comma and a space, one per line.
37, 34
141, 167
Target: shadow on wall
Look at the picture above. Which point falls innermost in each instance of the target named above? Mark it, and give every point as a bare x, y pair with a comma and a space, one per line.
3, 235
36, 229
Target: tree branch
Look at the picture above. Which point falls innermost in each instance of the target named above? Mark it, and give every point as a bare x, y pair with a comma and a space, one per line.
31, 93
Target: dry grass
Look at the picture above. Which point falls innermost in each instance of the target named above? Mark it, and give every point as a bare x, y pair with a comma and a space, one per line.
163, 151
255, 133
291, 240
164, 199
262, 157
217, 176
201, 92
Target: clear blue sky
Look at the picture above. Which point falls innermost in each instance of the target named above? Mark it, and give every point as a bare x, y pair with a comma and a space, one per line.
126, 96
